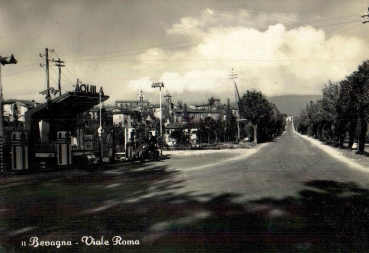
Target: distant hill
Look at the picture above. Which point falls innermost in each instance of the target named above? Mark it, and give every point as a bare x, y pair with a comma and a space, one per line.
292, 104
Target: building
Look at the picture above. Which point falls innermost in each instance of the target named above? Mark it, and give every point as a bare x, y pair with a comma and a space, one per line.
174, 118
54, 136
14, 110
133, 103
216, 104
125, 118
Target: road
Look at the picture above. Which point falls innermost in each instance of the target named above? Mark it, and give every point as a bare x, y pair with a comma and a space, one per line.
276, 170
284, 196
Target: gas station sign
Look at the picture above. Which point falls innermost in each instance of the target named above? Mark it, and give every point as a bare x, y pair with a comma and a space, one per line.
88, 89
88, 142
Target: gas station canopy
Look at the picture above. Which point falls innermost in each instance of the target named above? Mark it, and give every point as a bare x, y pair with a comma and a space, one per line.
68, 104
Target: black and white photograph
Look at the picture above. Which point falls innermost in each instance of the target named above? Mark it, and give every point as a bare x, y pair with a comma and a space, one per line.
184, 126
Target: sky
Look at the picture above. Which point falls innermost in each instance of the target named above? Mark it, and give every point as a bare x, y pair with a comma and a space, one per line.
284, 47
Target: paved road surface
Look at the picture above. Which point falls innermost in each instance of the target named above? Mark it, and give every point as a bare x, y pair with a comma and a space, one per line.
285, 196
289, 196
277, 170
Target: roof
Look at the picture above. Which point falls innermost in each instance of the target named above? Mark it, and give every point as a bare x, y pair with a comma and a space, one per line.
131, 101
27, 103
70, 103
201, 105
204, 111
179, 125
124, 111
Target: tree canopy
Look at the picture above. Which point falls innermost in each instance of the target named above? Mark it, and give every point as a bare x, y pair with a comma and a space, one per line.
343, 111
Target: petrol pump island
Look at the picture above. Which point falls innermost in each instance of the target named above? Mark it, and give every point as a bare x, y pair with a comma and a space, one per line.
46, 140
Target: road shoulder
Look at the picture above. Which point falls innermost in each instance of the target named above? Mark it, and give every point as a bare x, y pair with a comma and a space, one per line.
348, 156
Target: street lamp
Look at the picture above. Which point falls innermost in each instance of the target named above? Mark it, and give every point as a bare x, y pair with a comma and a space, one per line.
100, 131
365, 17
159, 85
3, 61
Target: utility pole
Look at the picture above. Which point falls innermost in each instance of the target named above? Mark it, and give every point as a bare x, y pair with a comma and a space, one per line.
237, 95
59, 64
48, 96
365, 17
3, 61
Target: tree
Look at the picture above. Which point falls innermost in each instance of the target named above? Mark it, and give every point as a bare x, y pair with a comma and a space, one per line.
277, 121
330, 104
211, 101
255, 107
359, 95
207, 129
344, 108
180, 104
182, 138
302, 121
316, 117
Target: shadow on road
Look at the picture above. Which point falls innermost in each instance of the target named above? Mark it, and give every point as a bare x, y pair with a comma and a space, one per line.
141, 203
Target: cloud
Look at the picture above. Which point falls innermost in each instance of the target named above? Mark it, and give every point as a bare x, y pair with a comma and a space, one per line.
200, 81
276, 60
227, 19
141, 84
104, 46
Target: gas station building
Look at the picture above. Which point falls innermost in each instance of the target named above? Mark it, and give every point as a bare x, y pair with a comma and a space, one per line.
51, 136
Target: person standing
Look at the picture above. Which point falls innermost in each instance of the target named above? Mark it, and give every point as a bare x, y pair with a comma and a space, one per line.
129, 150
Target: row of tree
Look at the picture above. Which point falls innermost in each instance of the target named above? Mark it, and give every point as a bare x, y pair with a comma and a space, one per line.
342, 112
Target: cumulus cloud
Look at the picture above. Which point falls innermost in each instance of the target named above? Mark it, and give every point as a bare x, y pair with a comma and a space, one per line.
227, 19
276, 60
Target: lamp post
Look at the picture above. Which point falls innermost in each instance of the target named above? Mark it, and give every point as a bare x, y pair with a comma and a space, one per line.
159, 85
3, 61
100, 131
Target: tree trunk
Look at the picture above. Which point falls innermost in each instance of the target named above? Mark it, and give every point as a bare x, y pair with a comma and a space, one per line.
331, 133
353, 123
319, 132
341, 132
364, 128
341, 140
248, 132
255, 126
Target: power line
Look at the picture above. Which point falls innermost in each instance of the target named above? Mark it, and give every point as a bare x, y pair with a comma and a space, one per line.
71, 73
337, 24
343, 29
69, 81
104, 58
323, 20
19, 72
139, 48
165, 49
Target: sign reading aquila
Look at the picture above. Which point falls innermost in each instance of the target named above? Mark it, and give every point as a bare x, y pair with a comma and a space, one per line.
88, 89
